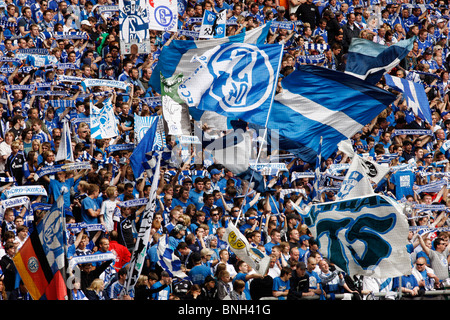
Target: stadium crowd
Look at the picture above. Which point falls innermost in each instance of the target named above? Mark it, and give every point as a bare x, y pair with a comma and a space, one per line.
197, 200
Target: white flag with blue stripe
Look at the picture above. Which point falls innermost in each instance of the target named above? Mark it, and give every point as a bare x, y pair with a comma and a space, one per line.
318, 102
369, 60
237, 80
65, 147
414, 93
176, 57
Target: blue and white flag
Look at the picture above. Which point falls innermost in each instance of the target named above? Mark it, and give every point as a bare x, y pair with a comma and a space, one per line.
303, 113
167, 258
207, 27
65, 151
356, 183
362, 236
142, 124
415, 95
369, 60
139, 253
237, 80
142, 155
176, 57
103, 121
134, 24
213, 25
182, 4
163, 15
51, 233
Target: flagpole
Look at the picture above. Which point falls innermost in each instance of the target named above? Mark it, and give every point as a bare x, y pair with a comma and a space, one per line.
265, 131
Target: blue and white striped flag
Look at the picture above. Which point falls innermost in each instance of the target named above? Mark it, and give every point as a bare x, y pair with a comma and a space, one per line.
237, 80
303, 113
167, 258
415, 95
369, 60
65, 151
176, 57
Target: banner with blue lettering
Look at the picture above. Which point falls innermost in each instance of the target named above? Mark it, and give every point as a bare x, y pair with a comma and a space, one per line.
362, 236
134, 26
163, 15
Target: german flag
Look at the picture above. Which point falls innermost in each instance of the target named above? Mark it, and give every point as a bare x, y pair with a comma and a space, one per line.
35, 271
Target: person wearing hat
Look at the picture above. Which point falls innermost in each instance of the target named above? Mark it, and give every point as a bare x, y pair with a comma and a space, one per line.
176, 236
215, 178
299, 282
304, 246
429, 60
209, 289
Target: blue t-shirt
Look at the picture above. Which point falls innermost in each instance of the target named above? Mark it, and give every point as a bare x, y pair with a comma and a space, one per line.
403, 181
199, 273
280, 285
88, 203
56, 188
196, 198
161, 295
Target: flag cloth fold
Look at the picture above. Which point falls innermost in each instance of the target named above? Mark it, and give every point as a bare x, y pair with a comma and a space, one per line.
304, 113
415, 95
369, 60
65, 147
140, 249
362, 236
375, 171
254, 257
356, 183
237, 80
175, 111
143, 153
167, 258
36, 273
176, 57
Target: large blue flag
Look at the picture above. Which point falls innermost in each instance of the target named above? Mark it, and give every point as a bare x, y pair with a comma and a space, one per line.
143, 153
318, 102
414, 93
176, 57
237, 80
368, 60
